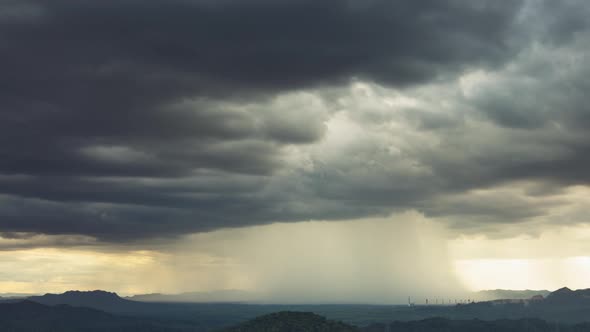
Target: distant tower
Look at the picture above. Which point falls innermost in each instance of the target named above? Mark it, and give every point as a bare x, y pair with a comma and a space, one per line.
426, 301
409, 302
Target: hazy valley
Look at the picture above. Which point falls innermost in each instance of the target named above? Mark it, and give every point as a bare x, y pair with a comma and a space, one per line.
104, 311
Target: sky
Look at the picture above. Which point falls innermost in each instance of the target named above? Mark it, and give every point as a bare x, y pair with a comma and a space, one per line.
298, 150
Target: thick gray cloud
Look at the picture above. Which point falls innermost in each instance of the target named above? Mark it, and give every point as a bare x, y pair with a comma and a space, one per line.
130, 119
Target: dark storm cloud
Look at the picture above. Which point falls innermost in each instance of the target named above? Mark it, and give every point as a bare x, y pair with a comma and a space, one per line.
203, 45
540, 104
139, 119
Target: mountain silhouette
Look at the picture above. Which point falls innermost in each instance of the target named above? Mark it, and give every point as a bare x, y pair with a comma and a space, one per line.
498, 294
97, 299
232, 296
566, 296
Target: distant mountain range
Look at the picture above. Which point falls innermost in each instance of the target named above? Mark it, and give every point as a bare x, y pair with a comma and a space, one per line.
566, 296
15, 295
239, 296
563, 305
111, 302
497, 294
199, 297
101, 300
105, 300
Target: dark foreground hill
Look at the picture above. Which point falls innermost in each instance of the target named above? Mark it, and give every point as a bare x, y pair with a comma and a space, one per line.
310, 322
28, 316
564, 306
289, 321
475, 325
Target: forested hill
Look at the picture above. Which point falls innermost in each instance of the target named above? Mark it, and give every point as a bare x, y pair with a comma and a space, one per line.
28, 316
289, 321
310, 322
476, 325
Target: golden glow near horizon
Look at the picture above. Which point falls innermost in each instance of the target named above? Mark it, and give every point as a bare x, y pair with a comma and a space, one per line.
42, 270
56, 270
551, 260
376, 258
519, 274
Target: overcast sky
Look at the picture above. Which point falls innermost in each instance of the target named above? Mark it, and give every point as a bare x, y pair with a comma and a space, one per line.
357, 149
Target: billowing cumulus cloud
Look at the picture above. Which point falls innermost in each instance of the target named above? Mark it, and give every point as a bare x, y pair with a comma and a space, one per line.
128, 121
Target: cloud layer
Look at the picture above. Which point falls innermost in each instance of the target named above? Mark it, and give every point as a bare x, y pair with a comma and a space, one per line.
135, 120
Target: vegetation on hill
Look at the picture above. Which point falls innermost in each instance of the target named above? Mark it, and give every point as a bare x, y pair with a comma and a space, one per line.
71, 311
306, 321
28, 316
289, 321
476, 325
